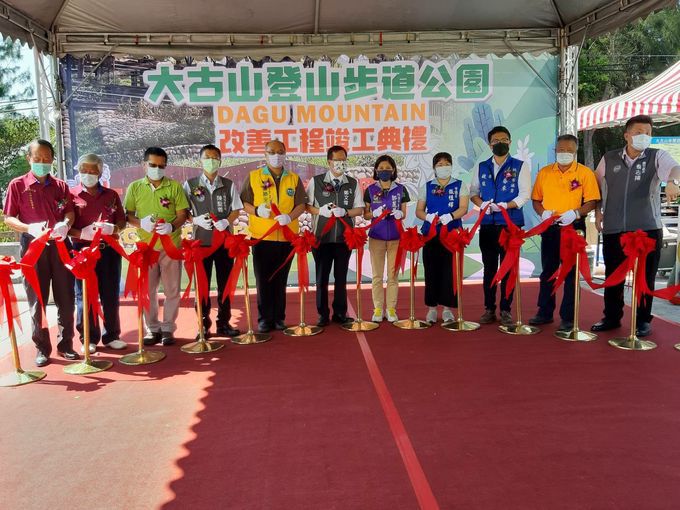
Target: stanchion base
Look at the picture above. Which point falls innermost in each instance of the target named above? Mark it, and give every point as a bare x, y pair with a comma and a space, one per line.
87, 367
460, 325
303, 330
202, 346
251, 337
575, 335
19, 378
519, 329
412, 323
677, 346
142, 357
632, 343
359, 325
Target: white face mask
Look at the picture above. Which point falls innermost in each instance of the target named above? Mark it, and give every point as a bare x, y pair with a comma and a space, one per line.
339, 167
564, 158
89, 180
641, 142
443, 172
276, 160
155, 173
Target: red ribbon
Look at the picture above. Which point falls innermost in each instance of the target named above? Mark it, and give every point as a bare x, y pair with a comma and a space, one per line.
411, 240
238, 246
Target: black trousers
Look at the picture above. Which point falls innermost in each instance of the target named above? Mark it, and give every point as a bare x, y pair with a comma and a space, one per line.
437, 263
550, 262
613, 296
335, 255
51, 272
223, 264
108, 271
271, 294
492, 255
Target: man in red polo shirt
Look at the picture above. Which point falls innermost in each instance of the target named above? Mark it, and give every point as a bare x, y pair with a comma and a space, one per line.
98, 208
35, 202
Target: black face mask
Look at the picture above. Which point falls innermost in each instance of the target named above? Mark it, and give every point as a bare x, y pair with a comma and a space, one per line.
500, 149
385, 175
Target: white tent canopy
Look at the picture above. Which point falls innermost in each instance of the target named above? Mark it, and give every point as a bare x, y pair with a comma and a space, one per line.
659, 98
257, 28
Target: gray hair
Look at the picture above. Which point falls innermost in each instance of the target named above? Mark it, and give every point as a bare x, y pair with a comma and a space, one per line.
92, 159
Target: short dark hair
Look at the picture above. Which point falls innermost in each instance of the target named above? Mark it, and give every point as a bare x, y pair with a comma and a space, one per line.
639, 119
155, 151
333, 150
567, 138
42, 143
209, 147
441, 155
497, 129
392, 163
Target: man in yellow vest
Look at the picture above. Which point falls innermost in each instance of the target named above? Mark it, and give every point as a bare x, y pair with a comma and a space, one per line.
264, 187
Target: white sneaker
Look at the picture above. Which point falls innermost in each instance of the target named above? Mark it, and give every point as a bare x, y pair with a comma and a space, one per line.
116, 345
93, 349
377, 315
392, 315
447, 315
431, 316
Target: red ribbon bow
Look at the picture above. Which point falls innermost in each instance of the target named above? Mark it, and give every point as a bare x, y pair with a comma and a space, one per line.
238, 246
302, 245
411, 240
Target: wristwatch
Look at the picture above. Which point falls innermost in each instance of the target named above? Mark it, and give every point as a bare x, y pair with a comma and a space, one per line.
578, 214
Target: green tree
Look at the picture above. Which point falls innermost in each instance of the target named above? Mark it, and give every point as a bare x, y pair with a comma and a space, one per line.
12, 79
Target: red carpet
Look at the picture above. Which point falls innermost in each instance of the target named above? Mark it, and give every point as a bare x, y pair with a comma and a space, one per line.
464, 420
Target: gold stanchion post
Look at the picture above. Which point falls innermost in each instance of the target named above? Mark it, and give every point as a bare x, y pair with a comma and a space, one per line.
518, 328
88, 365
412, 322
302, 329
19, 377
249, 337
202, 345
460, 324
358, 324
632, 342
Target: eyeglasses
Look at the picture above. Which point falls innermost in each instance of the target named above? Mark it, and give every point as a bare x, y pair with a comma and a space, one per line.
502, 140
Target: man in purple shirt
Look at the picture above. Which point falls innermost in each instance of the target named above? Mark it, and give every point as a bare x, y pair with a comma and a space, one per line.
35, 202
98, 208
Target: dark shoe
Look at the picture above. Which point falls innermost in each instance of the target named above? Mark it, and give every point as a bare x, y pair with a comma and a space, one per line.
506, 319
41, 360
323, 321
167, 338
565, 326
643, 329
488, 317
264, 327
280, 325
70, 355
341, 319
227, 331
152, 338
206, 335
605, 325
537, 320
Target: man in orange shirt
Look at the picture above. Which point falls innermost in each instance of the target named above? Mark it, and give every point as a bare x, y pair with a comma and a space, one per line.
568, 189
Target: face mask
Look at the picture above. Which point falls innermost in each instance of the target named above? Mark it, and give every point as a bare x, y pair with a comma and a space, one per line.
385, 175
564, 158
155, 173
641, 142
41, 169
500, 149
276, 160
443, 172
339, 167
210, 165
89, 180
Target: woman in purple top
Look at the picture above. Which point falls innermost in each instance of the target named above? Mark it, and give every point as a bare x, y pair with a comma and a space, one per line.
383, 238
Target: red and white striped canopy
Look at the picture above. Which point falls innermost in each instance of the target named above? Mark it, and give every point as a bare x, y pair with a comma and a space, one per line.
659, 98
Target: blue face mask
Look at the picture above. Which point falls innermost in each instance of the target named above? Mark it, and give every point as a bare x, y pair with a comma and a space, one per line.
385, 175
41, 169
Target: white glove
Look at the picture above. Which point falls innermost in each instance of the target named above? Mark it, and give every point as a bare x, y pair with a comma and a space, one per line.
497, 207
546, 214
60, 231
147, 223
221, 225
203, 221
484, 204
339, 212
283, 219
397, 214
326, 210
567, 218
445, 218
263, 211
430, 217
35, 229
164, 228
503, 205
377, 212
106, 228
87, 233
